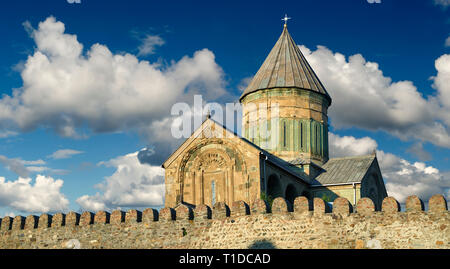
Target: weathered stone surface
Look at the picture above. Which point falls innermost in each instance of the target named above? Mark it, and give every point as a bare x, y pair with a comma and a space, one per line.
133, 216
202, 212
149, 215
101, 217
413, 203
437, 203
301, 205
18, 223
389, 229
117, 217
6, 223
87, 218
45, 221
390, 205
342, 206
183, 212
280, 206
260, 207
31, 222
73, 219
167, 214
319, 206
365, 207
220, 210
58, 220
240, 208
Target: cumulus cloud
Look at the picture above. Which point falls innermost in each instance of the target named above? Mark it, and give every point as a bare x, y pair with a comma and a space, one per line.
66, 87
402, 178
149, 44
41, 197
64, 154
363, 97
342, 146
133, 184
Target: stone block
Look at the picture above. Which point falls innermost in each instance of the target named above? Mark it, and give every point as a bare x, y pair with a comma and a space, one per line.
117, 217
240, 208
149, 215
365, 206
202, 212
260, 206
45, 221
390, 205
437, 203
342, 206
102, 217
413, 203
31, 222
301, 205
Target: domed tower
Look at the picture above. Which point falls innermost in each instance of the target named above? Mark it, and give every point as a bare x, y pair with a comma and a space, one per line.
285, 107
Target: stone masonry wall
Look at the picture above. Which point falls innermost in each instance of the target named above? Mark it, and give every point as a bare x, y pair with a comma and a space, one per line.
309, 225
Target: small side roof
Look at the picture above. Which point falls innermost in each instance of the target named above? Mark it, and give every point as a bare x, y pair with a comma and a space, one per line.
345, 170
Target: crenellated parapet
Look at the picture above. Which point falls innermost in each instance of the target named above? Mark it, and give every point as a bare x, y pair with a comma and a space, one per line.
202, 226
341, 206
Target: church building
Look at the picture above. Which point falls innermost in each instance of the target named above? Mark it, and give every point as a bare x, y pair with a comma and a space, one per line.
217, 165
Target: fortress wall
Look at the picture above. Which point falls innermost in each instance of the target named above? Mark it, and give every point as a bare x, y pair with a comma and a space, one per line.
311, 224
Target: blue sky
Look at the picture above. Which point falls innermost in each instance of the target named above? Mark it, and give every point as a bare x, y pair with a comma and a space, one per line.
212, 48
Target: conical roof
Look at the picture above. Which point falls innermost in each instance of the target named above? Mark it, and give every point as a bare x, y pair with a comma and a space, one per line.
286, 67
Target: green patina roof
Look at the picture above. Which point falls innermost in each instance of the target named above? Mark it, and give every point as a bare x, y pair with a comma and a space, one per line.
344, 170
285, 67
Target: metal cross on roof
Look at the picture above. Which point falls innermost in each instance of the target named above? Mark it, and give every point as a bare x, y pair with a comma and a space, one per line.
285, 19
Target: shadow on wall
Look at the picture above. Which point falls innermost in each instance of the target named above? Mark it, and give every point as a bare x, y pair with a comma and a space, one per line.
262, 244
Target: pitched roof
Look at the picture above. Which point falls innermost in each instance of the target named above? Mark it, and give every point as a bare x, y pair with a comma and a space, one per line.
344, 170
285, 66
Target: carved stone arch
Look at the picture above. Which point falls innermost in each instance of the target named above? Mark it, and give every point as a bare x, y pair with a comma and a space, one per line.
195, 162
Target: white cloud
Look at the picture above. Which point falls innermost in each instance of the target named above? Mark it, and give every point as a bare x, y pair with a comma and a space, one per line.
442, 3
64, 88
447, 42
149, 44
64, 154
133, 184
341, 146
402, 178
21, 167
41, 197
363, 97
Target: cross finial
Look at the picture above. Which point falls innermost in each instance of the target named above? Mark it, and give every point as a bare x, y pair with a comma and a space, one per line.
285, 19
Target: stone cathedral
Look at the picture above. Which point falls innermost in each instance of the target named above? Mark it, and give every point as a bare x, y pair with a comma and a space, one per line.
294, 161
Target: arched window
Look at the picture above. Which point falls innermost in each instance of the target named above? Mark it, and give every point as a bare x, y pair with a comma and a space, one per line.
291, 193
301, 135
